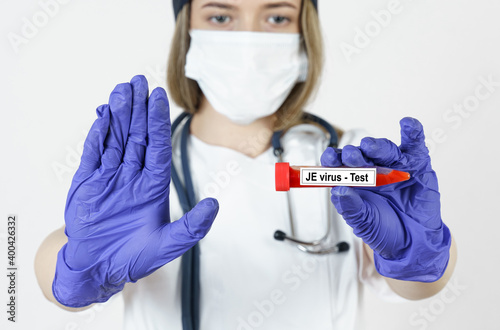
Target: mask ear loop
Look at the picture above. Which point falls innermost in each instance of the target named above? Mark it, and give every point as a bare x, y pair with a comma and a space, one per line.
304, 69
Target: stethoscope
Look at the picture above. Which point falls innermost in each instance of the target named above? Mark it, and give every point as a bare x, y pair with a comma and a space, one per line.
190, 263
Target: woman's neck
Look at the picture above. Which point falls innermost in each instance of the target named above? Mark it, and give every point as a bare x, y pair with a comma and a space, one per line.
214, 128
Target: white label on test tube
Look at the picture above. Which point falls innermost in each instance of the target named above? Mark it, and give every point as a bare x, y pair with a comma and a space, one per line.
354, 177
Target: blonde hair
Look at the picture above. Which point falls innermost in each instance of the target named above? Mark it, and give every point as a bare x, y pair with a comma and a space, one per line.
187, 94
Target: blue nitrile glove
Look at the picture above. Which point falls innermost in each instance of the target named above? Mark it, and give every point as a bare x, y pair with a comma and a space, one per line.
117, 211
401, 222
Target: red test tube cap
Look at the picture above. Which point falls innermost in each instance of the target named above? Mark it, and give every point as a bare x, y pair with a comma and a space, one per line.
282, 175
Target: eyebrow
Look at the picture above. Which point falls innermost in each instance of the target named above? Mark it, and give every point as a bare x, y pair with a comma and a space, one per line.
229, 7
281, 4
218, 5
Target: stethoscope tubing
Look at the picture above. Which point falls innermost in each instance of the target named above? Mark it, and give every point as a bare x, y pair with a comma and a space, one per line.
190, 263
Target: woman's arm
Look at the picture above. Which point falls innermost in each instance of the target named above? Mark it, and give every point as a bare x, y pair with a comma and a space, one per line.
420, 290
45, 265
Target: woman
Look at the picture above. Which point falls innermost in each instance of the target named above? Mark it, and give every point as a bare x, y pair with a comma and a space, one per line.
244, 69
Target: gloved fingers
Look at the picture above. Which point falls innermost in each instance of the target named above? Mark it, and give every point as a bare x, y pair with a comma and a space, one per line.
353, 157
412, 137
331, 157
382, 152
179, 236
94, 143
120, 103
139, 126
136, 142
159, 150
350, 206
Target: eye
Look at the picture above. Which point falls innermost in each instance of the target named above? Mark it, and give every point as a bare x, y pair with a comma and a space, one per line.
219, 19
278, 20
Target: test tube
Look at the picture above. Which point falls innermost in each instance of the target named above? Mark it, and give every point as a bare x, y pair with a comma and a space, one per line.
316, 176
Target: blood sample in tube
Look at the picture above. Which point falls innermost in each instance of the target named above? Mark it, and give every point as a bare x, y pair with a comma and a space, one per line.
316, 176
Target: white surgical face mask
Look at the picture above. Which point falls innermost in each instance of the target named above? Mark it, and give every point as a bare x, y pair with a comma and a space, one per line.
245, 75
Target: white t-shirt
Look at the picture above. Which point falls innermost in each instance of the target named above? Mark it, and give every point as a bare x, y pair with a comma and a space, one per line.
248, 279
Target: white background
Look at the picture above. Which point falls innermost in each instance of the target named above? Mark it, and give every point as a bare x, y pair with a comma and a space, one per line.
427, 59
